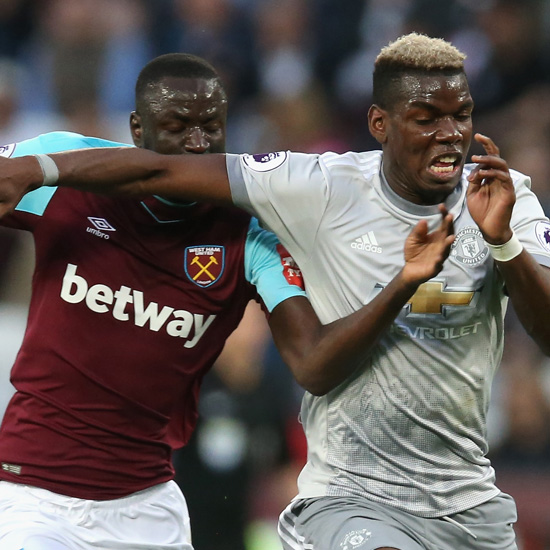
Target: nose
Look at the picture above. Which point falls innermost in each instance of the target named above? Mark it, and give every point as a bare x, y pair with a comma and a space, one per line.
195, 140
449, 131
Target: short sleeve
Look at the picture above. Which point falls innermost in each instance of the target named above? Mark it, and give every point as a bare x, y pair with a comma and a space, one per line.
269, 268
529, 221
287, 192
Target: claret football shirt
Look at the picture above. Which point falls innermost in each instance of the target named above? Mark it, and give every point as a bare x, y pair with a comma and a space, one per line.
132, 301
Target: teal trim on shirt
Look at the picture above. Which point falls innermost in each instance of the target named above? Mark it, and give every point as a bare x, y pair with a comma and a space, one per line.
36, 202
263, 267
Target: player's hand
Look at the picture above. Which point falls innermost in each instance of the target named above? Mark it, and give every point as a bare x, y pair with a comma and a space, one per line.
426, 252
491, 195
15, 181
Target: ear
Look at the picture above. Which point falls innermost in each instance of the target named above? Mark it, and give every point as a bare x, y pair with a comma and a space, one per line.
136, 129
378, 119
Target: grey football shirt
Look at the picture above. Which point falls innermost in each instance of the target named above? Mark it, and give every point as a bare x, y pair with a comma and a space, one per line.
408, 428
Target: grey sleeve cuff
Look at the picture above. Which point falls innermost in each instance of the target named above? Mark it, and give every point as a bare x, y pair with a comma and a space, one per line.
239, 192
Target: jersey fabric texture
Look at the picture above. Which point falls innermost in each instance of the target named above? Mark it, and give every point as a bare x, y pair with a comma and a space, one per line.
132, 301
408, 428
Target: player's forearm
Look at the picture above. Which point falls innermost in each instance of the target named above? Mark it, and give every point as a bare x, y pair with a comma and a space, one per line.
120, 171
138, 172
528, 285
323, 356
18, 176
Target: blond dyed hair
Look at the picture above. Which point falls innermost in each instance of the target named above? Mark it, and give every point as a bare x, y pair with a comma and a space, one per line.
418, 51
412, 54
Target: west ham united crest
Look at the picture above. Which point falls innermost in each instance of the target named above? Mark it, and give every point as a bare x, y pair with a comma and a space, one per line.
469, 248
204, 265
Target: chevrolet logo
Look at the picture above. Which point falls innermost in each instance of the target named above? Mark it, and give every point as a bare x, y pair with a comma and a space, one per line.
430, 298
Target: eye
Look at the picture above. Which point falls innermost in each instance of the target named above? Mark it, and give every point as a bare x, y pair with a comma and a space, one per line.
424, 121
174, 127
463, 117
212, 127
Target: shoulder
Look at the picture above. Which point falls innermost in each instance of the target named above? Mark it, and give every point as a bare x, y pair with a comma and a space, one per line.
74, 140
367, 162
352, 170
292, 161
362, 158
520, 179
54, 142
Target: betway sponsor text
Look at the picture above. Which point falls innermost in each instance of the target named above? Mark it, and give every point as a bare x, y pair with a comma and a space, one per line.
100, 298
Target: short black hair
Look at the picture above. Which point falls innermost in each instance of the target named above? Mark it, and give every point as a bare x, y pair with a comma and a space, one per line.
179, 65
412, 54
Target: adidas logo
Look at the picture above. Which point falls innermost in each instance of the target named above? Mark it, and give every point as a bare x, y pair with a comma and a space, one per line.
368, 243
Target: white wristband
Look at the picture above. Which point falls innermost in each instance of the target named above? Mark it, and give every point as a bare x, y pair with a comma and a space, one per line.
49, 169
507, 251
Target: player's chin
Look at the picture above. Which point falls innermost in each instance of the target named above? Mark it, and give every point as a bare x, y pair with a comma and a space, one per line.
436, 191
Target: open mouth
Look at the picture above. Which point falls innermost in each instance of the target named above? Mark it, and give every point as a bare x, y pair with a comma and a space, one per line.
445, 165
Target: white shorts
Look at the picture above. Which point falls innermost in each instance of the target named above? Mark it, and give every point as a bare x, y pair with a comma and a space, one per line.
37, 519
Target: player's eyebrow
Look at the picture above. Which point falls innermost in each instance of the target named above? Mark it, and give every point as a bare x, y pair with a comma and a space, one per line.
421, 104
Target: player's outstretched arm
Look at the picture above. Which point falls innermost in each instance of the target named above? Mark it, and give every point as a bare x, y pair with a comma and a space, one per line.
323, 356
491, 198
18, 176
123, 171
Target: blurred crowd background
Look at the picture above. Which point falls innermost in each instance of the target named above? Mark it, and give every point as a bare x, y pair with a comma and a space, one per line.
298, 74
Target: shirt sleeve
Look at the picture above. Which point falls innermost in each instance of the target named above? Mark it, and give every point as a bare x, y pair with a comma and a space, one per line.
36, 202
269, 268
529, 222
288, 192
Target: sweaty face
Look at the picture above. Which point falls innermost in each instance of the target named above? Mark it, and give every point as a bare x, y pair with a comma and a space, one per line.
181, 115
426, 137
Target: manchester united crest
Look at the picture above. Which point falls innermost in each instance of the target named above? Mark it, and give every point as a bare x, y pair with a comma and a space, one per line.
469, 248
355, 539
204, 265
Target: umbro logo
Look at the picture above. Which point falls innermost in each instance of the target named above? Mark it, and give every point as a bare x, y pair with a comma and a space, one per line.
100, 225
368, 243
